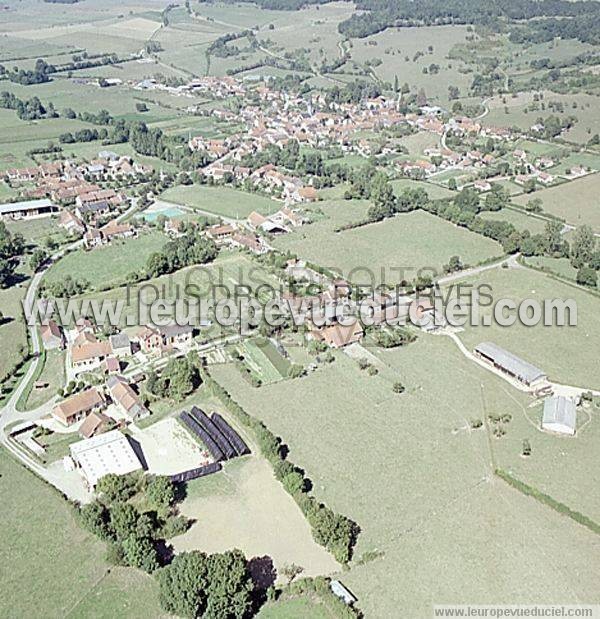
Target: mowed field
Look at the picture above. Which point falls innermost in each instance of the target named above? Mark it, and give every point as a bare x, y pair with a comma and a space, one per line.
577, 202
221, 201
45, 539
409, 241
245, 507
567, 354
419, 482
109, 264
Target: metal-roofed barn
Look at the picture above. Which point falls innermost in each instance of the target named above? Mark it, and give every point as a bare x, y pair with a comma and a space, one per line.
510, 364
560, 415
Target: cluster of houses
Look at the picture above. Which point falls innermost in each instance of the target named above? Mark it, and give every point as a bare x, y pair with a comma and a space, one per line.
88, 352
71, 190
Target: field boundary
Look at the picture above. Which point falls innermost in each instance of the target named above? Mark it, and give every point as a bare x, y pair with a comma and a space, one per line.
549, 501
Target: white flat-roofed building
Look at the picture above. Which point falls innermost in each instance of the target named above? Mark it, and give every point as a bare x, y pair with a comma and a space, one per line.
28, 209
106, 453
342, 592
560, 415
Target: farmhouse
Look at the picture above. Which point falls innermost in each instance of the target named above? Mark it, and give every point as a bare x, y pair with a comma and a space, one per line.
120, 345
101, 455
78, 406
559, 415
337, 335
71, 223
510, 364
52, 335
28, 210
89, 354
94, 423
125, 398
155, 339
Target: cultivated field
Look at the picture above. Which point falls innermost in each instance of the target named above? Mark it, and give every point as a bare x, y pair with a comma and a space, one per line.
576, 202
409, 241
264, 360
419, 482
221, 200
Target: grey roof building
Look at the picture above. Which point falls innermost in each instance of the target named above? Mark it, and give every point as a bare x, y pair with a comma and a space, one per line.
560, 415
516, 367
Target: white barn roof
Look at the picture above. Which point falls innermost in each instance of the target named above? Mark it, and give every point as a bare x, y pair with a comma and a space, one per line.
523, 370
13, 207
103, 454
560, 415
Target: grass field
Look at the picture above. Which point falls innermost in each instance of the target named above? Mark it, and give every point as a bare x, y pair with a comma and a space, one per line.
265, 360
109, 264
576, 202
12, 328
246, 492
577, 362
435, 192
518, 218
408, 242
44, 535
416, 143
295, 609
38, 230
419, 482
215, 280
221, 200
394, 45
53, 373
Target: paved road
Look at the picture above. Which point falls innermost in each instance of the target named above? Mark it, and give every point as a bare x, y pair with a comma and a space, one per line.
69, 483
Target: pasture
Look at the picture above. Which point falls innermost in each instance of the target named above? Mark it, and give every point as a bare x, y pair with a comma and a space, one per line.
229, 273
44, 533
576, 364
405, 52
12, 327
53, 373
518, 218
419, 481
36, 231
110, 264
576, 202
393, 249
507, 111
434, 191
221, 201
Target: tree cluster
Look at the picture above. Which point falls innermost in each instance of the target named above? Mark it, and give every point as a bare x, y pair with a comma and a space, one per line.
191, 248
